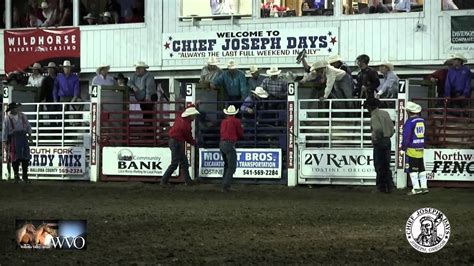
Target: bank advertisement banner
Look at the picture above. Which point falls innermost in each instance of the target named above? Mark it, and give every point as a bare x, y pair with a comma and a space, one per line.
449, 164
251, 163
254, 43
136, 161
57, 161
23, 48
462, 36
334, 163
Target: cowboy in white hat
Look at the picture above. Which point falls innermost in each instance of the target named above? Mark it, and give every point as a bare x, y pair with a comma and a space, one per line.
275, 86
336, 61
210, 72
255, 79
90, 19
107, 18
180, 133
36, 79
67, 89
339, 84
251, 101
103, 78
388, 88
143, 85
46, 91
458, 81
413, 144
231, 130
234, 83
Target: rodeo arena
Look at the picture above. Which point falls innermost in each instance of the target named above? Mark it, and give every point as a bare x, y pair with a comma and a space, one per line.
152, 132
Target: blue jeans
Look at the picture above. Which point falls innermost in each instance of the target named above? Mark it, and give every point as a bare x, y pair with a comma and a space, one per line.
230, 161
178, 157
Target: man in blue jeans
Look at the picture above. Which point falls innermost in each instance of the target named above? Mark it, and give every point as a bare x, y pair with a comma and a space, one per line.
231, 131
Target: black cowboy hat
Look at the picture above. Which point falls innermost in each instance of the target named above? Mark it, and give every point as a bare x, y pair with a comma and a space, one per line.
12, 106
372, 103
121, 76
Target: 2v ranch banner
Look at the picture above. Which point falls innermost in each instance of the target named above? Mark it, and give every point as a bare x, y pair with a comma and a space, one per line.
25, 47
258, 43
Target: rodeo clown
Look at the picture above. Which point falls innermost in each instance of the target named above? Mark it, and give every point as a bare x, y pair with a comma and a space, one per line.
180, 133
412, 145
17, 134
231, 131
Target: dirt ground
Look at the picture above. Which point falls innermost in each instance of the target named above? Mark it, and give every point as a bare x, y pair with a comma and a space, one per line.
135, 223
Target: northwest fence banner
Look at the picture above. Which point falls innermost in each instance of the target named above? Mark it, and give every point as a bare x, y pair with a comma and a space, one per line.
23, 48
254, 43
449, 164
251, 163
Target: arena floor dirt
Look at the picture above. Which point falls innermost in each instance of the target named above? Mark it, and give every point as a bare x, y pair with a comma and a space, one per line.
137, 224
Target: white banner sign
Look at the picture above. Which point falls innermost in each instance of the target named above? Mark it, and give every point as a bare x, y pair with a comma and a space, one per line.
255, 43
251, 163
449, 164
136, 161
57, 161
334, 163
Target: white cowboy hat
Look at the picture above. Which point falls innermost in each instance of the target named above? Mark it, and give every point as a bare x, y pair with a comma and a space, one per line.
319, 64
213, 61
51, 65
458, 56
252, 69
334, 58
102, 66
413, 107
89, 16
36, 66
106, 14
273, 71
388, 64
66, 63
232, 64
231, 110
44, 5
141, 64
190, 111
260, 92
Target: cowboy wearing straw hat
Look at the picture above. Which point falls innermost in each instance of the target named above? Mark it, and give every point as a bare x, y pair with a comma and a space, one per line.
234, 83
382, 130
251, 101
413, 144
90, 19
180, 133
46, 92
231, 130
66, 88
211, 71
103, 78
36, 79
17, 133
336, 61
389, 86
458, 80
339, 84
439, 77
255, 79
144, 87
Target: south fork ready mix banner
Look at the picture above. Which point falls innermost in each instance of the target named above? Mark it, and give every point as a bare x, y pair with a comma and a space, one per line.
25, 47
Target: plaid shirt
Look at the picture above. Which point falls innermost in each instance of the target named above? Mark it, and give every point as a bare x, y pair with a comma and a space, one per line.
276, 88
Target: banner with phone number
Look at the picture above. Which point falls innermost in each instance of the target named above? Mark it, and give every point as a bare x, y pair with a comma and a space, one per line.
251, 163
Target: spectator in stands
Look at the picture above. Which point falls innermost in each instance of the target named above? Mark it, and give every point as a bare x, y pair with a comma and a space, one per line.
339, 84
253, 101
234, 83
115, 9
210, 72
305, 6
458, 80
402, 6
382, 130
367, 79
275, 86
413, 144
107, 18
65, 13
143, 85
16, 20
46, 91
255, 77
221, 7
231, 130
121, 80
90, 19
389, 86
439, 77
449, 5
336, 61
139, 10
180, 133
34, 21
103, 78
66, 88
35, 79
33, 8
16, 134
378, 7
50, 13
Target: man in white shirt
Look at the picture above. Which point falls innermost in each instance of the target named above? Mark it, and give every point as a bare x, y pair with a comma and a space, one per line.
103, 78
402, 6
36, 79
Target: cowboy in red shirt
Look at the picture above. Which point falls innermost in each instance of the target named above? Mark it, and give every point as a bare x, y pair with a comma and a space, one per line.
179, 133
231, 131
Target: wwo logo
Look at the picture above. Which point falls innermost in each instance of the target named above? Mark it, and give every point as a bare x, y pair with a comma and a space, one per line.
428, 230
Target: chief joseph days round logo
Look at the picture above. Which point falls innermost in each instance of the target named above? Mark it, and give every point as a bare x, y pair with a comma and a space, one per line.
428, 230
